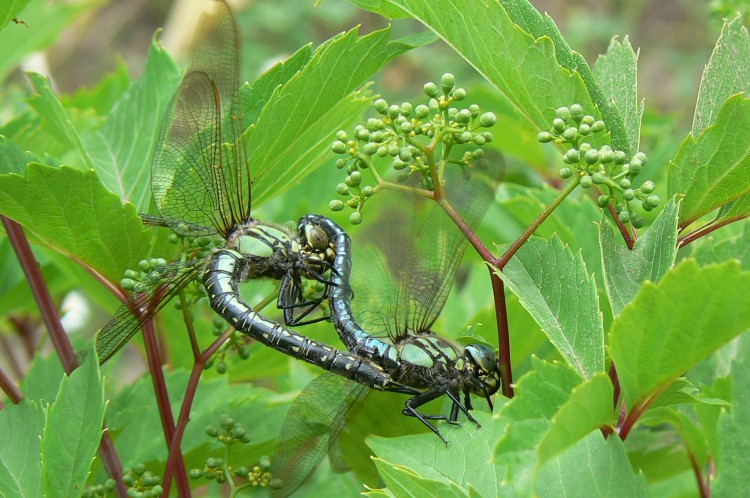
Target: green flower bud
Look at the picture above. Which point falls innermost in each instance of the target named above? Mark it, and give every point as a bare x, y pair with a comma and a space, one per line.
406, 108
464, 137
211, 431
602, 201
562, 113
477, 154
144, 265
221, 368
588, 120
353, 202
625, 183
381, 106
598, 178
405, 155
474, 110
620, 157
624, 216
370, 148
195, 473
355, 218
576, 112
545, 137
342, 135
634, 167
430, 89
488, 119
447, 82
340, 163
463, 116
628, 194
342, 188
565, 172
356, 177
591, 156
244, 352
434, 106
479, 139
422, 110
398, 164
598, 126
238, 431
367, 191
558, 125
352, 167
363, 135
584, 130
339, 147
488, 136
636, 220
452, 113
648, 187
584, 147
382, 151
572, 156
242, 471
641, 157
606, 156
459, 94
393, 149
586, 181
127, 284
652, 200
406, 127
570, 134
394, 111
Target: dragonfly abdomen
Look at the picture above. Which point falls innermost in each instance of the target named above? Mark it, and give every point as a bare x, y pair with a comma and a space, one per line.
220, 280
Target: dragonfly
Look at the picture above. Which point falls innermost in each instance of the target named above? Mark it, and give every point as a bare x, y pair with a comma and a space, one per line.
201, 186
415, 250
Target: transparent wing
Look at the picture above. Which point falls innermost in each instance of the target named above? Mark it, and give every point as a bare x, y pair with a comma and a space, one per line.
315, 420
409, 255
149, 296
200, 179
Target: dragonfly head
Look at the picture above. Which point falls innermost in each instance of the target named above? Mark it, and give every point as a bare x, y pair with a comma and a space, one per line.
316, 241
485, 374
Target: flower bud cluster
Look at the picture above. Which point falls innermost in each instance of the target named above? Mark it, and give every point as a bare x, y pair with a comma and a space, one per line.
610, 171
228, 433
403, 134
141, 483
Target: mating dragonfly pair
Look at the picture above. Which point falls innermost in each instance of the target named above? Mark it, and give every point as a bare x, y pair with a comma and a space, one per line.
201, 185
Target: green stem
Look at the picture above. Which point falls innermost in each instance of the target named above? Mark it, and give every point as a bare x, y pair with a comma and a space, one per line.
513, 249
189, 325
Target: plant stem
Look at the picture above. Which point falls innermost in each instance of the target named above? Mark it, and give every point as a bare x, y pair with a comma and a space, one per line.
615, 383
513, 249
174, 461
705, 230
627, 237
503, 333
189, 325
703, 487
58, 336
9, 388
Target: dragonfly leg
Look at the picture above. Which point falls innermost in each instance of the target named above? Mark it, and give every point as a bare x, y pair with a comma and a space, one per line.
290, 299
458, 405
412, 404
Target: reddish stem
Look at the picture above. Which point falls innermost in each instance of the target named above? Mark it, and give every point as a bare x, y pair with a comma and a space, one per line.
615, 384
10, 388
705, 230
174, 447
629, 240
703, 486
503, 333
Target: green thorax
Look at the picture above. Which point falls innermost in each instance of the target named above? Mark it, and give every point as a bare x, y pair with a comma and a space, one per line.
259, 240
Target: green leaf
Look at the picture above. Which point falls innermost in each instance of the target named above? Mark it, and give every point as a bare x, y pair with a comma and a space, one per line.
293, 133
20, 466
527, 17
670, 326
589, 408
593, 467
72, 431
539, 395
45, 19
713, 169
733, 458
726, 74
122, 148
521, 67
617, 75
555, 288
683, 391
70, 211
421, 459
383, 7
12, 158
709, 251
403, 481
652, 256
56, 119
9, 10
102, 97
735, 210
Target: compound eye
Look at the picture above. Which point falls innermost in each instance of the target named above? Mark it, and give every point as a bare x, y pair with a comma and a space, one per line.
482, 356
316, 237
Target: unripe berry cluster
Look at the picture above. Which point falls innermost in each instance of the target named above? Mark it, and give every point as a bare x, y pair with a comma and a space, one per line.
237, 341
141, 483
228, 433
405, 133
610, 170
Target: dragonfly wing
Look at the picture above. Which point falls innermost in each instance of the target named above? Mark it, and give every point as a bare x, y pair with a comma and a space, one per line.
149, 296
312, 426
200, 178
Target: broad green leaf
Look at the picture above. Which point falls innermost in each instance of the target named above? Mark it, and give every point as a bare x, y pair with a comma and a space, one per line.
616, 73
383, 7
589, 408
527, 17
735, 210
424, 458
714, 168
672, 325
685, 426
56, 120
652, 256
72, 431
726, 74
403, 481
296, 127
43, 378
45, 19
709, 251
102, 97
593, 467
683, 391
122, 148
69, 210
539, 395
733, 458
20, 428
9, 10
521, 67
555, 288
12, 158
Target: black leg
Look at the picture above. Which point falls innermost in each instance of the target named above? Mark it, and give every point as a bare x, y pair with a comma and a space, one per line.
411, 410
